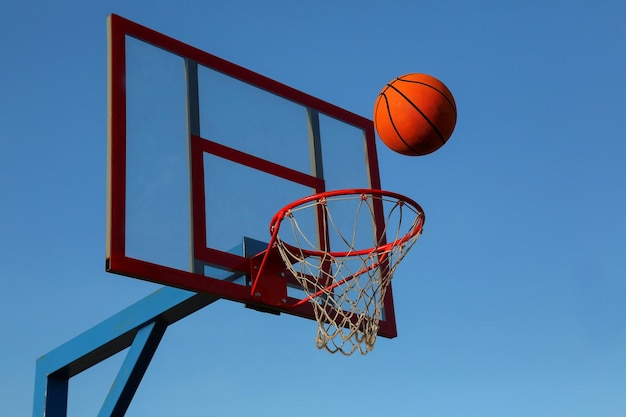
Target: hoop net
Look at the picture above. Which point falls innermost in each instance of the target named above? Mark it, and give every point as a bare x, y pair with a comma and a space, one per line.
345, 266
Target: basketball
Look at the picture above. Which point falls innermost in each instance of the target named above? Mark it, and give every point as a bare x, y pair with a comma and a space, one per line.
415, 114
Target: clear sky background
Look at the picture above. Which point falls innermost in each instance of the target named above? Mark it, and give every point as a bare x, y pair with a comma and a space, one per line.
511, 304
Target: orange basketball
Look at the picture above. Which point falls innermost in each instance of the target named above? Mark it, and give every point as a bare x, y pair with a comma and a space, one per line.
415, 114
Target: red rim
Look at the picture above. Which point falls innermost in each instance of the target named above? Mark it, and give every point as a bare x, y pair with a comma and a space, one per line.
281, 214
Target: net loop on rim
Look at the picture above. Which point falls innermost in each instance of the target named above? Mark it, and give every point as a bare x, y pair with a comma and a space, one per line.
343, 248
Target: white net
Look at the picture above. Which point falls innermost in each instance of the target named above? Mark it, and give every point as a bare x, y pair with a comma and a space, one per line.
336, 248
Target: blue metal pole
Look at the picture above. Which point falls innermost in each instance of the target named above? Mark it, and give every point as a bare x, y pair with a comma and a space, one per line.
132, 370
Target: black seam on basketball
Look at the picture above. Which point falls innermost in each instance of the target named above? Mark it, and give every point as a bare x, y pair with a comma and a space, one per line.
443, 141
434, 88
394, 125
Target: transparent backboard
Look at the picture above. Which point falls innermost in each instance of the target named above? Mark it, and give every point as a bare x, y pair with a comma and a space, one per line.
202, 153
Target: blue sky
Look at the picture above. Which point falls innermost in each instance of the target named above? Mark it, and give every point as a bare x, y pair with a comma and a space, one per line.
512, 302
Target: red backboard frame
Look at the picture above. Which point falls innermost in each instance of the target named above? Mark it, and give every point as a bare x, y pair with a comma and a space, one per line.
117, 260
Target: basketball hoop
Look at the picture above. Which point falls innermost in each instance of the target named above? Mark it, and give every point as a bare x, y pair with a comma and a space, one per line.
345, 269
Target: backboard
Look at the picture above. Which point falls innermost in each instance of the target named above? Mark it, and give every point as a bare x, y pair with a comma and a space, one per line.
202, 153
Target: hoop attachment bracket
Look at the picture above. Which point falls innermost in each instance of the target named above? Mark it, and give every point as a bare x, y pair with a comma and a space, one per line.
269, 278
